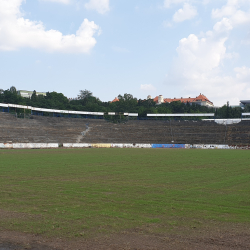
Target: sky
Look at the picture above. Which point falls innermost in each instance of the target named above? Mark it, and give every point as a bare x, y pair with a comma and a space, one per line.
174, 48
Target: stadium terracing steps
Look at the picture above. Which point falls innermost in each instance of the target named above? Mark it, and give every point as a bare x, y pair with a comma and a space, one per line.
43, 129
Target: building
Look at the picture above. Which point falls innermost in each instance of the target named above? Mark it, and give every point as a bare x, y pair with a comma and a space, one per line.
116, 100
200, 100
244, 102
28, 94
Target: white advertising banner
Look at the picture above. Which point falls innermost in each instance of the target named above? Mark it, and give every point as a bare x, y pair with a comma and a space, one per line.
35, 145
142, 146
128, 145
8, 145
76, 145
117, 145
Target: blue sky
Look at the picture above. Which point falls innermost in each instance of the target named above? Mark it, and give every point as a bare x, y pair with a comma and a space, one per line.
176, 48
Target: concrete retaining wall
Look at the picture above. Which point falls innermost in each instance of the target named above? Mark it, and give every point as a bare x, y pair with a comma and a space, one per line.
28, 145
116, 145
6, 145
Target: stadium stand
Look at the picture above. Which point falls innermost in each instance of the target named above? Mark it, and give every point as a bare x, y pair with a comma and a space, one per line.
42, 129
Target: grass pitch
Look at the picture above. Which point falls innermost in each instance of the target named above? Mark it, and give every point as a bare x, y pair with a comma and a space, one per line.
86, 192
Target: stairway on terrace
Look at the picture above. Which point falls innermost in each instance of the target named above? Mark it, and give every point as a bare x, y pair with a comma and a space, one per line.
40, 129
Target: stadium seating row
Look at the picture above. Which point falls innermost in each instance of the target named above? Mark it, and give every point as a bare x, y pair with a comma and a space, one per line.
41, 129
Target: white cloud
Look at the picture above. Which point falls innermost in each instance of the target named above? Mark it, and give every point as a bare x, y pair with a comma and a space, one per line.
186, 13
169, 3
221, 27
199, 56
58, 1
232, 11
17, 32
147, 87
101, 6
199, 67
243, 73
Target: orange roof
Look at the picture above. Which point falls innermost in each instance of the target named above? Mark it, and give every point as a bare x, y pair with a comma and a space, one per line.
200, 98
156, 99
116, 100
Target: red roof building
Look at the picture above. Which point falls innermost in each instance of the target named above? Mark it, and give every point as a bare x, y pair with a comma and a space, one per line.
116, 100
201, 100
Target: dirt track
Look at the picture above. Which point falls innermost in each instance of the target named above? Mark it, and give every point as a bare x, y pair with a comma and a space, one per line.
130, 241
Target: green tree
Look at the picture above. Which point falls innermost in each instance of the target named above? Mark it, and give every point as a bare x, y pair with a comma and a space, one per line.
34, 97
13, 90
84, 94
127, 103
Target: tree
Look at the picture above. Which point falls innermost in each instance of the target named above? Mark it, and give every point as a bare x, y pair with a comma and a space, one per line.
33, 96
54, 100
10, 96
1, 95
127, 103
85, 94
13, 90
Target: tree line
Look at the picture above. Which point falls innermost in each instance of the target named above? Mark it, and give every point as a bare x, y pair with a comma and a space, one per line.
127, 103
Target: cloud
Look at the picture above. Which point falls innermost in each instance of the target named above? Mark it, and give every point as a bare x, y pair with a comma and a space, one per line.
232, 11
199, 56
101, 6
147, 87
169, 3
186, 13
58, 1
199, 67
17, 32
243, 73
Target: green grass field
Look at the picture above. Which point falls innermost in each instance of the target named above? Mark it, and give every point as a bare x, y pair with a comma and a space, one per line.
86, 192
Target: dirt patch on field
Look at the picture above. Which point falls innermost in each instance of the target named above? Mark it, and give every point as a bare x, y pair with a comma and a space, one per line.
226, 240
4, 214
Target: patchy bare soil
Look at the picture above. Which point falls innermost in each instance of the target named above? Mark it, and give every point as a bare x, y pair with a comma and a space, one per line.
231, 239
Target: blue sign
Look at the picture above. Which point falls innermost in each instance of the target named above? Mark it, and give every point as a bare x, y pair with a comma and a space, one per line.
168, 145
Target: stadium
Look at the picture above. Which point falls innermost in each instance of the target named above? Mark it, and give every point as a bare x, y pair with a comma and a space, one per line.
135, 184
93, 130
124, 125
